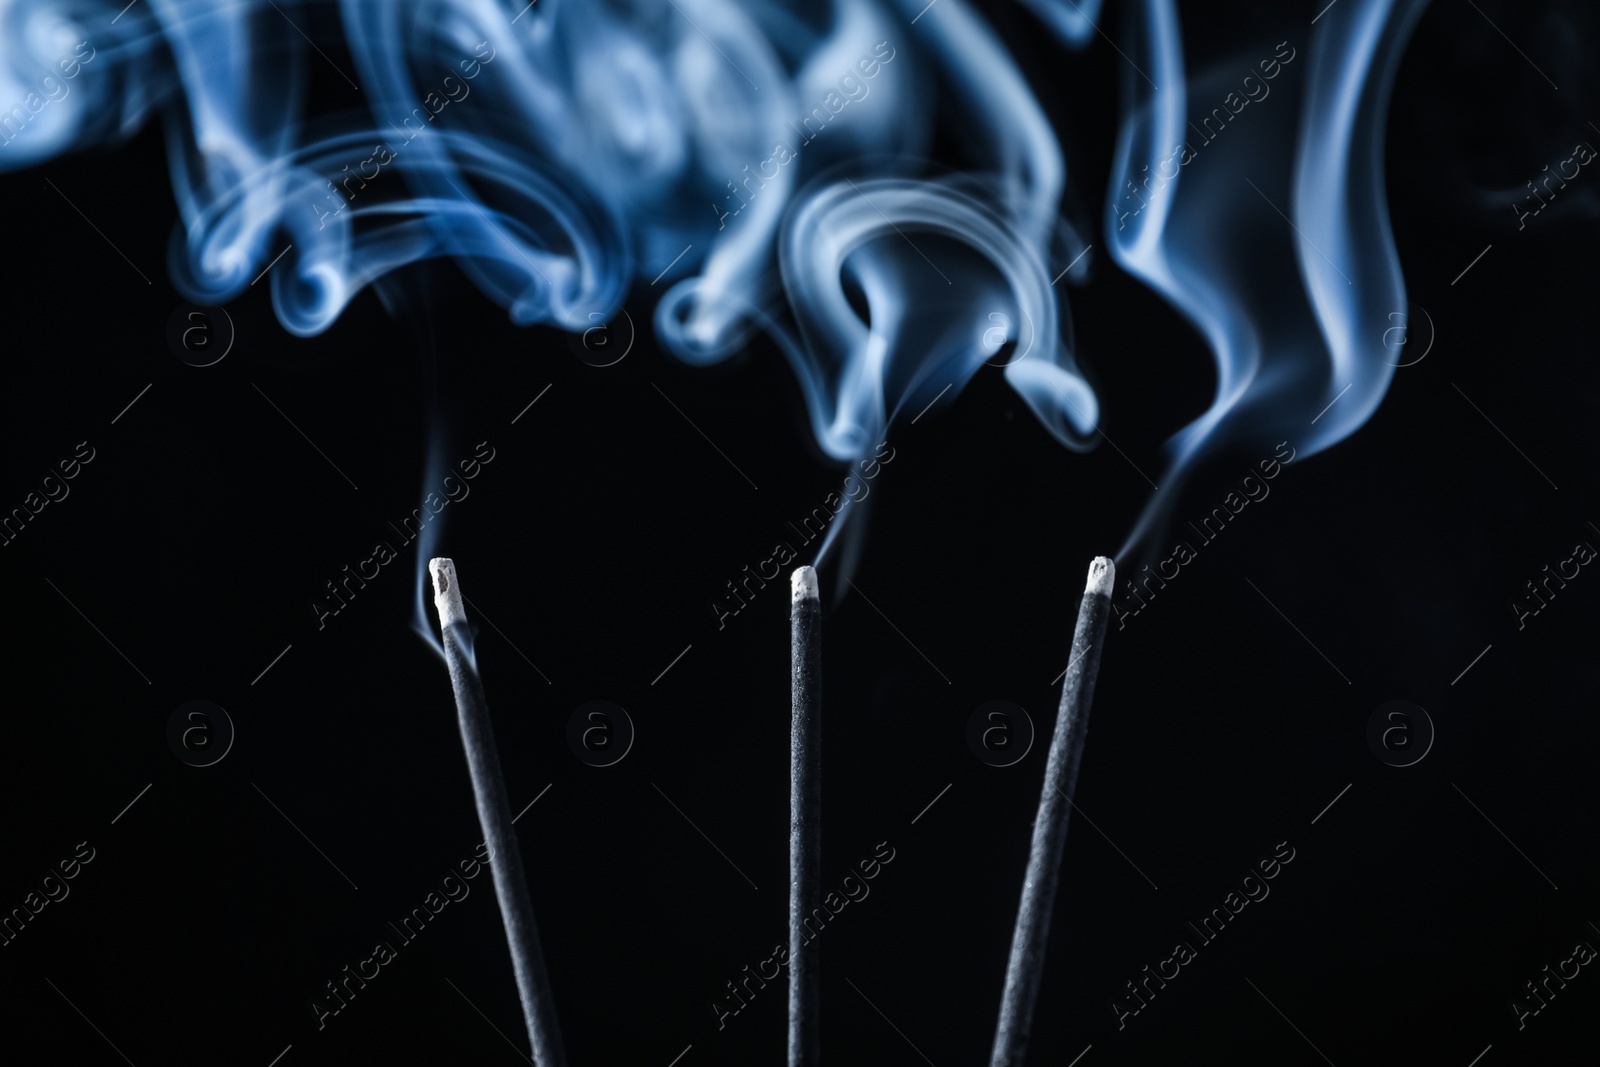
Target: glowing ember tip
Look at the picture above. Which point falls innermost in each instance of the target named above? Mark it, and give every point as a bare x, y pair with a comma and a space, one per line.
1102, 576
446, 591
803, 584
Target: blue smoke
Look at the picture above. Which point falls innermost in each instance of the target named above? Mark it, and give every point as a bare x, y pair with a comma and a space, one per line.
768, 166
1252, 199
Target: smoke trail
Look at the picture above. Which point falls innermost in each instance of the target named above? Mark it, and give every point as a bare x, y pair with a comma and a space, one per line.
1255, 205
771, 168
1074, 21
69, 78
564, 152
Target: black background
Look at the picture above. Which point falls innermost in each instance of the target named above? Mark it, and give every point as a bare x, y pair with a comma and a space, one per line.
205, 525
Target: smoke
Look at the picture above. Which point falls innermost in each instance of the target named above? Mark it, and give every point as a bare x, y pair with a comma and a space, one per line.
1252, 199
771, 168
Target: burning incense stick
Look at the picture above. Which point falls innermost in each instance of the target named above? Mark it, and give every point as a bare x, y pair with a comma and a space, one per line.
805, 812
494, 814
1028, 941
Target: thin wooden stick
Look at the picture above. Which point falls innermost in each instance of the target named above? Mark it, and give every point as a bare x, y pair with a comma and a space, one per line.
1025, 968
494, 815
805, 813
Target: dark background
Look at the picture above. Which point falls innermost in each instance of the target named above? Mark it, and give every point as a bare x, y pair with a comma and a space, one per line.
195, 541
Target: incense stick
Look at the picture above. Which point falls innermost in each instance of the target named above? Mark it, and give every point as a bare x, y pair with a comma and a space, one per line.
805, 813
494, 815
1028, 942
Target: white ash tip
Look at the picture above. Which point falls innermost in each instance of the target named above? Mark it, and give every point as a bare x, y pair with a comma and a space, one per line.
1102, 577
803, 584
446, 591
